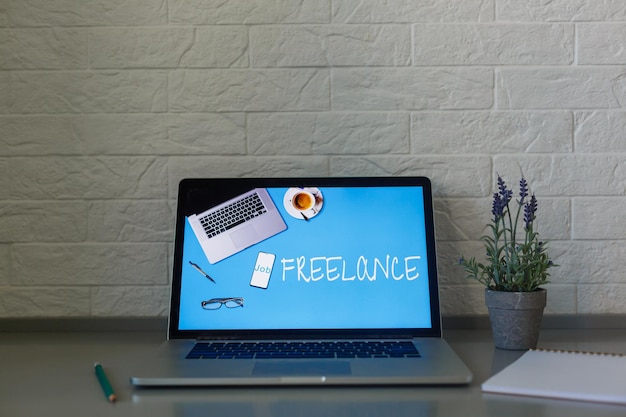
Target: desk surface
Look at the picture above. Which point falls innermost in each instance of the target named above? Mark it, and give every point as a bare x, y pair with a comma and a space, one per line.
51, 374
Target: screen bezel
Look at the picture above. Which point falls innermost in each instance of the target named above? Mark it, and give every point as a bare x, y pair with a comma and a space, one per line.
231, 187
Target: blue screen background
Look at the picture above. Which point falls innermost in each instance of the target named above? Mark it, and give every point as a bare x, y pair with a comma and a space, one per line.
355, 223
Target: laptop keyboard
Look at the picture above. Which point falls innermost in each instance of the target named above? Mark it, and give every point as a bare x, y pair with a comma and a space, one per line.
232, 215
304, 350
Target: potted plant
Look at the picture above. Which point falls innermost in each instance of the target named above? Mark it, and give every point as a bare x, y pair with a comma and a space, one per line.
515, 270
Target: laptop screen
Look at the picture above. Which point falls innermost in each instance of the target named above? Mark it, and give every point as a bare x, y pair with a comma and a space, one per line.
304, 255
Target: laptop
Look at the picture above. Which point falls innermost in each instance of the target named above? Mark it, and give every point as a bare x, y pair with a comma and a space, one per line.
339, 288
236, 224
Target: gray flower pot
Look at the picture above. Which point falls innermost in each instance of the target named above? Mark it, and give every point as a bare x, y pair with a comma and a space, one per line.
515, 318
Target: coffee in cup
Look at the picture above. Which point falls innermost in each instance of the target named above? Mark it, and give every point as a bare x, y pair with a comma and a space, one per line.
303, 200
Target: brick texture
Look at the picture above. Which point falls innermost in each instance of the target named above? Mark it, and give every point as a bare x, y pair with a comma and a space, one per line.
106, 105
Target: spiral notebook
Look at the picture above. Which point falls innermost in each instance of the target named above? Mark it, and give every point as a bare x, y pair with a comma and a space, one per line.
572, 375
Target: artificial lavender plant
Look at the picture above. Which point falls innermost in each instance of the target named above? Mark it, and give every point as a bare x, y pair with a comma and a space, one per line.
516, 260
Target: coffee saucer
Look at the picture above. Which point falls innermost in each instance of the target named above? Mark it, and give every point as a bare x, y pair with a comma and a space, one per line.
303, 214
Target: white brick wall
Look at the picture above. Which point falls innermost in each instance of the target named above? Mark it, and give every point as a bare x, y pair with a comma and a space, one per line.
105, 105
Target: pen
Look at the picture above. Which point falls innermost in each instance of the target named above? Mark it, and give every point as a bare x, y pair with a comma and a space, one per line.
104, 383
201, 271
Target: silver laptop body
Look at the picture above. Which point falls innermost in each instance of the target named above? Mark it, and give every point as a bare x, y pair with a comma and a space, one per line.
354, 268
236, 224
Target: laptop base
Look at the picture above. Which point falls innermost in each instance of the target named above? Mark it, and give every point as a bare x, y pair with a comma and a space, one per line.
438, 365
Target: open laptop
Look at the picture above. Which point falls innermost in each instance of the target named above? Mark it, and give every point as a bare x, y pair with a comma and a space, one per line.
236, 224
345, 294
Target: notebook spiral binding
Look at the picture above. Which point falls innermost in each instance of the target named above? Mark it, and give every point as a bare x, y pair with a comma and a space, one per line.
581, 352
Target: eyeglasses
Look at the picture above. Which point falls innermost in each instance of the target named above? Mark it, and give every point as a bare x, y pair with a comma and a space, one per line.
215, 303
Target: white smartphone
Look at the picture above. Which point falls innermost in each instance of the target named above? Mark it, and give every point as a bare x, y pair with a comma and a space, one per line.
262, 270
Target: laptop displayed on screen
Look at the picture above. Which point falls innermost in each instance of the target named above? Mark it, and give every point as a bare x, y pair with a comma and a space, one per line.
305, 281
236, 224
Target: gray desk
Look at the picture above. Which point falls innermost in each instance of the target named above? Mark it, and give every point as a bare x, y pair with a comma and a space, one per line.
51, 374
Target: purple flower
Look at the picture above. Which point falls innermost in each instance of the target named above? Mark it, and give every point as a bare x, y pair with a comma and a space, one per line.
498, 206
530, 209
504, 192
523, 190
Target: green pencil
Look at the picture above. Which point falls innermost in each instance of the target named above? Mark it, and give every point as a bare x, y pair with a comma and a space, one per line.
104, 383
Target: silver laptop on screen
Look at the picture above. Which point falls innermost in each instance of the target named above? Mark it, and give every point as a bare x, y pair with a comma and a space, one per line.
236, 224
344, 292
